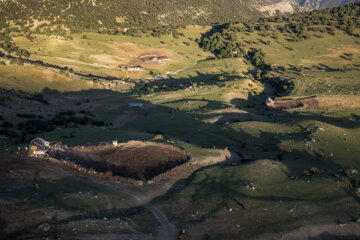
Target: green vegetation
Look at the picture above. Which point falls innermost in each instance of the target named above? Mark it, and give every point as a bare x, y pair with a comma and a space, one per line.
279, 48
255, 169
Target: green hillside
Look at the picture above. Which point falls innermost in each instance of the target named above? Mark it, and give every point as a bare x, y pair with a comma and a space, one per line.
281, 168
107, 15
302, 54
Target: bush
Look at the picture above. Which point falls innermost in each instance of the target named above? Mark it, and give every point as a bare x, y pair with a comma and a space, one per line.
158, 137
7, 124
314, 170
221, 78
346, 181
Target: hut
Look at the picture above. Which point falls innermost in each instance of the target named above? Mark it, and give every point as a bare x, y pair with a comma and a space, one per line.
38, 147
134, 68
159, 59
269, 101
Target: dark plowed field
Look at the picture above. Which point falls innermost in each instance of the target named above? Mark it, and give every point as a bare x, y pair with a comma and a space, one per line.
139, 162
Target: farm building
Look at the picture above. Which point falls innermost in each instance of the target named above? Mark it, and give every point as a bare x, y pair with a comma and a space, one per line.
38, 147
154, 58
134, 68
160, 59
269, 101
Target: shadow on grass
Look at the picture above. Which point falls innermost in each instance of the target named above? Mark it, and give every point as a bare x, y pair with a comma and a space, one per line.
189, 126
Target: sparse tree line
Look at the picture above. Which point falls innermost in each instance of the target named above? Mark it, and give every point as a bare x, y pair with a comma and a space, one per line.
223, 42
8, 45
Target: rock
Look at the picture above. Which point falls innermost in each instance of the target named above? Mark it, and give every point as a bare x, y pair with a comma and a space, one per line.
230, 209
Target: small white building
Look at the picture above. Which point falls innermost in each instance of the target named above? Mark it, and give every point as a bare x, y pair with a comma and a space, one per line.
134, 68
136, 105
269, 101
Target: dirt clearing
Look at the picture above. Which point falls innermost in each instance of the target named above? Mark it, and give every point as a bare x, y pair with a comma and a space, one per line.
303, 103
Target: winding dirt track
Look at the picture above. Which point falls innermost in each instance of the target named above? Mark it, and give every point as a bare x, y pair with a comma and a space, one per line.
166, 231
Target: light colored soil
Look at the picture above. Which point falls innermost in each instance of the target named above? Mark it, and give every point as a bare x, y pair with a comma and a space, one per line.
335, 53
284, 7
169, 96
305, 103
104, 58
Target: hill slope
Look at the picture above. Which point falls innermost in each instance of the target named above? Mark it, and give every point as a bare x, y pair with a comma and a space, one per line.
121, 14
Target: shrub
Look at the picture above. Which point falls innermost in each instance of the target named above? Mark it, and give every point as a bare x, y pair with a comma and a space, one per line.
7, 124
346, 181
158, 137
221, 78
314, 170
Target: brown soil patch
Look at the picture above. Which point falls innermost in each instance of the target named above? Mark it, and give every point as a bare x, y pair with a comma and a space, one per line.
293, 103
236, 95
129, 48
169, 96
303, 103
133, 50
335, 53
134, 160
339, 101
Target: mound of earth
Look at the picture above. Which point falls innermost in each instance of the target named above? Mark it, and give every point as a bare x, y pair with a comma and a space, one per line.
141, 161
285, 104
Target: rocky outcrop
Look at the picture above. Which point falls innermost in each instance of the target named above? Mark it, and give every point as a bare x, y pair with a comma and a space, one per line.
315, 3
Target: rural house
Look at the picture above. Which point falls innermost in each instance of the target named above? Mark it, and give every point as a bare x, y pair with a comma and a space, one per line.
160, 59
38, 147
134, 68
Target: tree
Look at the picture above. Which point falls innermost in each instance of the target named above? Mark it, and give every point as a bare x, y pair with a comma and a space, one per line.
301, 68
